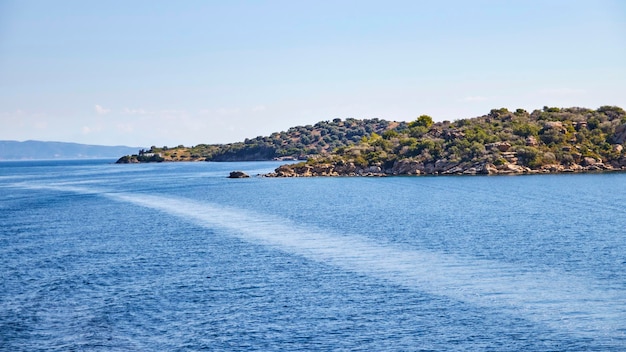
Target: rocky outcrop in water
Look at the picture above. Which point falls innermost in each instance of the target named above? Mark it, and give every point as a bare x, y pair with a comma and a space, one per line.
238, 174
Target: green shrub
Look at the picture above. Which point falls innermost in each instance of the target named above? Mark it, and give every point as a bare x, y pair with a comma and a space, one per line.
422, 121
499, 161
390, 134
526, 129
552, 137
551, 109
529, 156
521, 112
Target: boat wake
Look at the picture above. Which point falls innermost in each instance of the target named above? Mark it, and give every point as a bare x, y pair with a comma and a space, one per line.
558, 300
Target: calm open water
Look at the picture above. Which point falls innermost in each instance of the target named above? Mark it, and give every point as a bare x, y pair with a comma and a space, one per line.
98, 256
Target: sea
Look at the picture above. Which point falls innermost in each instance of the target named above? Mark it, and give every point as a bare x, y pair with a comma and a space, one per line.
96, 256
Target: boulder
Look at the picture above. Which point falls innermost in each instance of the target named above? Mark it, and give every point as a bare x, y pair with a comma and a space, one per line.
500, 146
373, 169
449, 134
595, 167
470, 171
323, 170
429, 168
553, 168
346, 169
587, 161
511, 157
305, 170
619, 137
489, 169
580, 125
238, 174
283, 171
577, 157
574, 168
443, 165
531, 141
407, 167
554, 125
513, 168
456, 170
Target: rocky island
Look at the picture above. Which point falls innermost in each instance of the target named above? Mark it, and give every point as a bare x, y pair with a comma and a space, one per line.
548, 140
301, 142
551, 140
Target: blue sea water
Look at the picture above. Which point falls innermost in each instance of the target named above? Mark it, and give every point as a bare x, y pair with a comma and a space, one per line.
97, 256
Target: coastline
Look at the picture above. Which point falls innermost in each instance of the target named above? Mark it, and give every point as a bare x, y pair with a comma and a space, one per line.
408, 168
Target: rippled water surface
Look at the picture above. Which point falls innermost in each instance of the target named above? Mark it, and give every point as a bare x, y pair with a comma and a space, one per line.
97, 256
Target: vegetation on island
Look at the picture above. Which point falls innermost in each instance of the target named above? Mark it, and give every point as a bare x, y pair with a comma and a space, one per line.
502, 142
301, 142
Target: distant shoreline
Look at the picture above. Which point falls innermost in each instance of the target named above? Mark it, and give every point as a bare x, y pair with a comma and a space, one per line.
42, 150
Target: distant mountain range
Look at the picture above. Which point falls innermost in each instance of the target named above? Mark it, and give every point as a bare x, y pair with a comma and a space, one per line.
39, 150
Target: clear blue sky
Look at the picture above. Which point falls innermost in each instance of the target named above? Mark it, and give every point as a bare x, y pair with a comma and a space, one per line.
144, 73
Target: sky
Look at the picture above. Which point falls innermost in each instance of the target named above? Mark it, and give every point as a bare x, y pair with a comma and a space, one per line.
168, 73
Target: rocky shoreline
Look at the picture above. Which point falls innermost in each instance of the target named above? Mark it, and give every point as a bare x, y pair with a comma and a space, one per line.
441, 167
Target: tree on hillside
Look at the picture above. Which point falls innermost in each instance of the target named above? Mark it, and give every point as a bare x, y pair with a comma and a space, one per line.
422, 121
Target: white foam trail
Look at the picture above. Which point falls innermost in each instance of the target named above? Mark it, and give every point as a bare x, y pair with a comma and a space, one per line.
562, 301
557, 299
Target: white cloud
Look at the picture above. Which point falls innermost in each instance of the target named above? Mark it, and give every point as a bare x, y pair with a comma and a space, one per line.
259, 108
134, 111
101, 110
